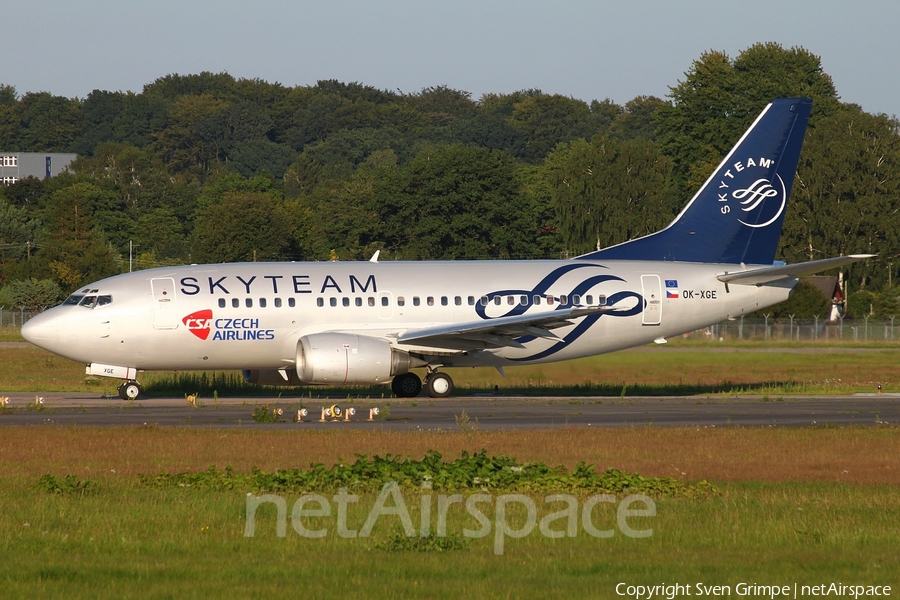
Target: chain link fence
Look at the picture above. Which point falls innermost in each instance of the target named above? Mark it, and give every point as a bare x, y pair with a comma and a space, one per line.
14, 317
806, 330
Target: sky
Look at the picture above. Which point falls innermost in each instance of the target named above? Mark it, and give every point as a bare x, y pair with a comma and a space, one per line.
579, 48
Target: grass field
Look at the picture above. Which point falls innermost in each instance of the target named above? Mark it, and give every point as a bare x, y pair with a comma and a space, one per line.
793, 505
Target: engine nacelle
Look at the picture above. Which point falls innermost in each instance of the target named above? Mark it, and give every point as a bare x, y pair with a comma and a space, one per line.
335, 358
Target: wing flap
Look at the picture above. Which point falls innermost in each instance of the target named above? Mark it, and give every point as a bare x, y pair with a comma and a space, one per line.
497, 333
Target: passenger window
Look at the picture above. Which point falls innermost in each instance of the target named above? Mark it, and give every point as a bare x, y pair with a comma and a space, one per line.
359, 301
345, 301
221, 302
510, 300
484, 300
549, 300
601, 300
332, 301
278, 302
498, 300
292, 302
401, 301
444, 301
320, 302
523, 300
588, 299
262, 302
235, 303
372, 301
576, 299
471, 300
415, 300
430, 300
562, 299
249, 302
537, 300
457, 300
384, 301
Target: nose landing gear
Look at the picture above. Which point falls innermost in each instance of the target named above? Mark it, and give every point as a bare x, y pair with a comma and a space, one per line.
130, 390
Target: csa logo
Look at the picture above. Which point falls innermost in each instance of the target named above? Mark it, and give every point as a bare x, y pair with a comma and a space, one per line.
198, 323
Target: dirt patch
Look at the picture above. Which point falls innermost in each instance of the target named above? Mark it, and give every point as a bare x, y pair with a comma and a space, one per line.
866, 455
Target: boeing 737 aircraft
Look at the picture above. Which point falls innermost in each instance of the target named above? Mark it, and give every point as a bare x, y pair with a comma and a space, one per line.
373, 322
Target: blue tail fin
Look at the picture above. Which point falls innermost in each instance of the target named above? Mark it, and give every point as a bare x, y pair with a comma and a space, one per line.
736, 216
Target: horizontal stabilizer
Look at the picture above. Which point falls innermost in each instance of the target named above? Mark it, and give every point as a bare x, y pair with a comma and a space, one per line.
767, 275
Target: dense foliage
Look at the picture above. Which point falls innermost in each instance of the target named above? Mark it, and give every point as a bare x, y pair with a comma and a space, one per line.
476, 472
207, 167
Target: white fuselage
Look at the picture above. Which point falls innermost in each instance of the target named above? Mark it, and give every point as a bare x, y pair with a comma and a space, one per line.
251, 315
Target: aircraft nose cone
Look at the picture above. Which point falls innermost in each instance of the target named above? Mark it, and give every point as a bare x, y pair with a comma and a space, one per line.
39, 330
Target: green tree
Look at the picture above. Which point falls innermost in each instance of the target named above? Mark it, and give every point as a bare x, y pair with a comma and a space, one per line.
861, 304
637, 119
242, 226
254, 156
806, 302
74, 247
548, 120
34, 294
454, 202
17, 231
605, 192
844, 200
196, 135
719, 98
99, 112
47, 123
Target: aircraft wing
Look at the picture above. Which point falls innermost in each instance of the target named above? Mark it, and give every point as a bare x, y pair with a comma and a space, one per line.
497, 333
767, 275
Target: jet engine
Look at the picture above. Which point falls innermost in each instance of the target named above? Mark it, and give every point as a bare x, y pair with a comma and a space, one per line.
335, 358
329, 358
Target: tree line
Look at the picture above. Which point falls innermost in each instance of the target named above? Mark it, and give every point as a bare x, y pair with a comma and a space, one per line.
209, 168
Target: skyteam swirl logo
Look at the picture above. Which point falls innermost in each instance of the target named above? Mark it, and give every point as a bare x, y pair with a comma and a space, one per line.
563, 285
756, 194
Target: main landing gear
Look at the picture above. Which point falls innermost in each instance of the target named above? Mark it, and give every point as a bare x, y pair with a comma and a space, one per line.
130, 390
408, 385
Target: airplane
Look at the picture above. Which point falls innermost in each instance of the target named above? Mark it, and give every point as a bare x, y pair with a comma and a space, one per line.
371, 322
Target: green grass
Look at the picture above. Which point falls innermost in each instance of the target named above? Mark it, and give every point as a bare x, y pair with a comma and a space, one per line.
128, 540
10, 334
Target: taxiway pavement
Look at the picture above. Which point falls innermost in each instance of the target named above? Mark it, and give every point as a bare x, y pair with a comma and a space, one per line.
483, 412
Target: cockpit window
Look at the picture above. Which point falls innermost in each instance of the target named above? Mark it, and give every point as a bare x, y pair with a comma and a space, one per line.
88, 301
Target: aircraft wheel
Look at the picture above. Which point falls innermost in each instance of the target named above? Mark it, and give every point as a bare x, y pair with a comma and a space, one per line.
407, 385
130, 390
439, 385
